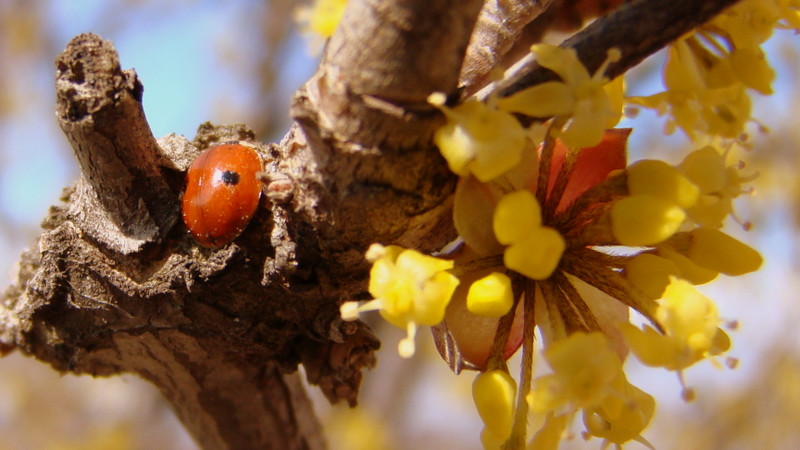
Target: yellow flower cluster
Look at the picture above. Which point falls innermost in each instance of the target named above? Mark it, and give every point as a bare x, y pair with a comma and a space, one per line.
678, 211
587, 376
707, 73
542, 230
691, 330
485, 140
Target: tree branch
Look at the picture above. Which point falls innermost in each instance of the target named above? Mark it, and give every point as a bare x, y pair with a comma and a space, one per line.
381, 65
114, 287
99, 109
365, 126
116, 283
638, 28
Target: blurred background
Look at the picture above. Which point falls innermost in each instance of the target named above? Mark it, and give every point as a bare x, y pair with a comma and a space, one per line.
240, 61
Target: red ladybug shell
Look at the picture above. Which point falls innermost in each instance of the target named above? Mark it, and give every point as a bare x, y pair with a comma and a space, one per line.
222, 193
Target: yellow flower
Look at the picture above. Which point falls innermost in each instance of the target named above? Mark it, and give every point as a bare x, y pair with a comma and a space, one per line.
584, 369
478, 139
691, 330
552, 228
718, 185
703, 96
580, 96
410, 289
322, 17
555, 218
620, 420
707, 73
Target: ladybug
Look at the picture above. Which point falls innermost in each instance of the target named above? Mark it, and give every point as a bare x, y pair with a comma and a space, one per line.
222, 193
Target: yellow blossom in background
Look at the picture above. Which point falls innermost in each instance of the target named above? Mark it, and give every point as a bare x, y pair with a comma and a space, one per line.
707, 74
703, 97
356, 429
587, 375
550, 434
584, 369
322, 17
409, 288
749, 23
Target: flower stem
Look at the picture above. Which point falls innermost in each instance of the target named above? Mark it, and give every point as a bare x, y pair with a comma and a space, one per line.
546, 158
519, 429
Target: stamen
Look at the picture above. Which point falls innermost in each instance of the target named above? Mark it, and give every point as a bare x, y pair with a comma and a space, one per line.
687, 394
612, 55
406, 347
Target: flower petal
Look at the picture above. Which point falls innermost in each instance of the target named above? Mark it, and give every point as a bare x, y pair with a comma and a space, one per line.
593, 164
543, 100
473, 213
472, 335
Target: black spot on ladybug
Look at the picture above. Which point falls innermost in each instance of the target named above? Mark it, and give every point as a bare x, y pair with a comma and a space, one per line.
230, 177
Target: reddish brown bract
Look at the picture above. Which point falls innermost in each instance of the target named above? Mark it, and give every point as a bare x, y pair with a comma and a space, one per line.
222, 193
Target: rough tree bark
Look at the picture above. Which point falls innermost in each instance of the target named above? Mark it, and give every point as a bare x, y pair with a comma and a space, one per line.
115, 283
